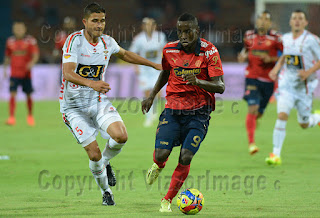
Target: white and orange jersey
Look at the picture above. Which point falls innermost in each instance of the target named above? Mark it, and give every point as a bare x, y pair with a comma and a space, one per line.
300, 54
92, 61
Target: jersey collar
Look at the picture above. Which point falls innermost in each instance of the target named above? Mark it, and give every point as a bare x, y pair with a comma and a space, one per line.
256, 31
197, 49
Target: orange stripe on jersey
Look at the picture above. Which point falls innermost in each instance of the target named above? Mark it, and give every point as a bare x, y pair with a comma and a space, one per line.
70, 40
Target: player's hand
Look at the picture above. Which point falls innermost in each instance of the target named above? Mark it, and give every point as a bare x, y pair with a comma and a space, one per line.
29, 66
100, 86
146, 104
191, 79
4, 73
242, 57
157, 66
303, 74
266, 58
273, 74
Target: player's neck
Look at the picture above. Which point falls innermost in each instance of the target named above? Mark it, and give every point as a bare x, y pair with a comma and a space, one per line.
296, 34
90, 38
262, 32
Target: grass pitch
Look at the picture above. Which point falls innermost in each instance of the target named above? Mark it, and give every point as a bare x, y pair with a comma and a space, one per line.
48, 172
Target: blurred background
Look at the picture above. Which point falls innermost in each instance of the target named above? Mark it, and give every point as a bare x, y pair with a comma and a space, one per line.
222, 22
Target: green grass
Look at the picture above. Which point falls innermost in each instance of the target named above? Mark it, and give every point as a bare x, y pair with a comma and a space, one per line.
290, 190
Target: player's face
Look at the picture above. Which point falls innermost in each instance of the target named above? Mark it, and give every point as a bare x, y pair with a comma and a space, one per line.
264, 22
149, 26
188, 33
19, 30
95, 24
298, 21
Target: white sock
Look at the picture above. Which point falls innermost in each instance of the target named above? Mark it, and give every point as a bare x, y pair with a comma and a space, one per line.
314, 119
98, 170
111, 150
279, 134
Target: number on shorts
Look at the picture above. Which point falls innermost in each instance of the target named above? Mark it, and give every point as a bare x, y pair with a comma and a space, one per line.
79, 131
197, 140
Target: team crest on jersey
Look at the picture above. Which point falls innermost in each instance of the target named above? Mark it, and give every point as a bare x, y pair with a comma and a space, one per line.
94, 50
93, 72
185, 63
66, 56
294, 61
179, 71
198, 63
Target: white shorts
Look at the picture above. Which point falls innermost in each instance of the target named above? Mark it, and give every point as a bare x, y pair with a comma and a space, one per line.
85, 124
289, 98
148, 78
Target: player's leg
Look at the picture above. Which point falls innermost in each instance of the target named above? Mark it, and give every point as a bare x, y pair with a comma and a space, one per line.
285, 103
167, 136
266, 91
27, 88
14, 83
84, 131
252, 97
193, 132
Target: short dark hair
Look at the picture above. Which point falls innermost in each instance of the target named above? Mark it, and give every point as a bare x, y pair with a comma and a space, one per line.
188, 17
93, 8
266, 12
300, 11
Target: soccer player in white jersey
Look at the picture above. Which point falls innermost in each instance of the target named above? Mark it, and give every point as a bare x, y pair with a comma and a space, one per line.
83, 102
297, 80
149, 44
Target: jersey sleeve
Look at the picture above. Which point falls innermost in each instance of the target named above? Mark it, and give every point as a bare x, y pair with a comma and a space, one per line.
165, 63
115, 48
33, 48
8, 51
279, 43
70, 49
214, 62
135, 45
315, 46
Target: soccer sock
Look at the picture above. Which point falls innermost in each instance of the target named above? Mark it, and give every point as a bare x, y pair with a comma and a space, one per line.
314, 120
111, 150
160, 164
177, 180
12, 106
279, 134
29, 104
99, 173
251, 127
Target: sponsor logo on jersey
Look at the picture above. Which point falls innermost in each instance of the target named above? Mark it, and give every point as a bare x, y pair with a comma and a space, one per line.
294, 62
66, 56
164, 143
85, 55
174, 60
172, 51
93, 72
204, 44
211, 52
259, 52
179, 71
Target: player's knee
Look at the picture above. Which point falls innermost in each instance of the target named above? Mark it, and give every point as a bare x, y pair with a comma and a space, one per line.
94, 156
304, 125
161, 155
121, 137
185, 159
283, 116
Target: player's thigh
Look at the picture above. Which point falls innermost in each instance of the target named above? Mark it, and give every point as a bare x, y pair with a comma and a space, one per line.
14, 83
27, 86
81, 126
304, 107
266, 90
251, 95
168, 131
286, 100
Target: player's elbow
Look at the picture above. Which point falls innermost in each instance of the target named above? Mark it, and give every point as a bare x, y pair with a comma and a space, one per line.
219, 89
66, 75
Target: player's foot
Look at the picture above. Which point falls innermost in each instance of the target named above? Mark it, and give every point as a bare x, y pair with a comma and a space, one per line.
30, 120
112, 180
107, 199
253, 149
11, 121
273, 159
153, 174
165, 206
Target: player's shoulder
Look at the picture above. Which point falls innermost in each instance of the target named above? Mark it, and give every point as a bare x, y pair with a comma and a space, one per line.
313, 37
275, 33
30, 39
11, 39
74, 35
206, 45
287, 35
138, 37
250, 33
109, 40
172, 45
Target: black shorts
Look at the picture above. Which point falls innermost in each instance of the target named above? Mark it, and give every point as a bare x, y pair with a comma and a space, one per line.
186, 128
258, 93
25, 83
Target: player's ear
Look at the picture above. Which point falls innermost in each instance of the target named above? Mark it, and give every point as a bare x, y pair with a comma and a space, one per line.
84, 21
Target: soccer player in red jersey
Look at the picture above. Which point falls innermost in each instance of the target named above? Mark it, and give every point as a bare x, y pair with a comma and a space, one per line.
261, 47
192, 68
22, 53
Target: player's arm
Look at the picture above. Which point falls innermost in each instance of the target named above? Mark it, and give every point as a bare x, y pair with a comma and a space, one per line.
216, 85
273, 74
133, 58
70, 75
6, 63
34, 60
243, 55
304, 74
162, 80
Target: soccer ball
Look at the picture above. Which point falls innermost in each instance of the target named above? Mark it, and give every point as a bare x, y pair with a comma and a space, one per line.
190, 201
